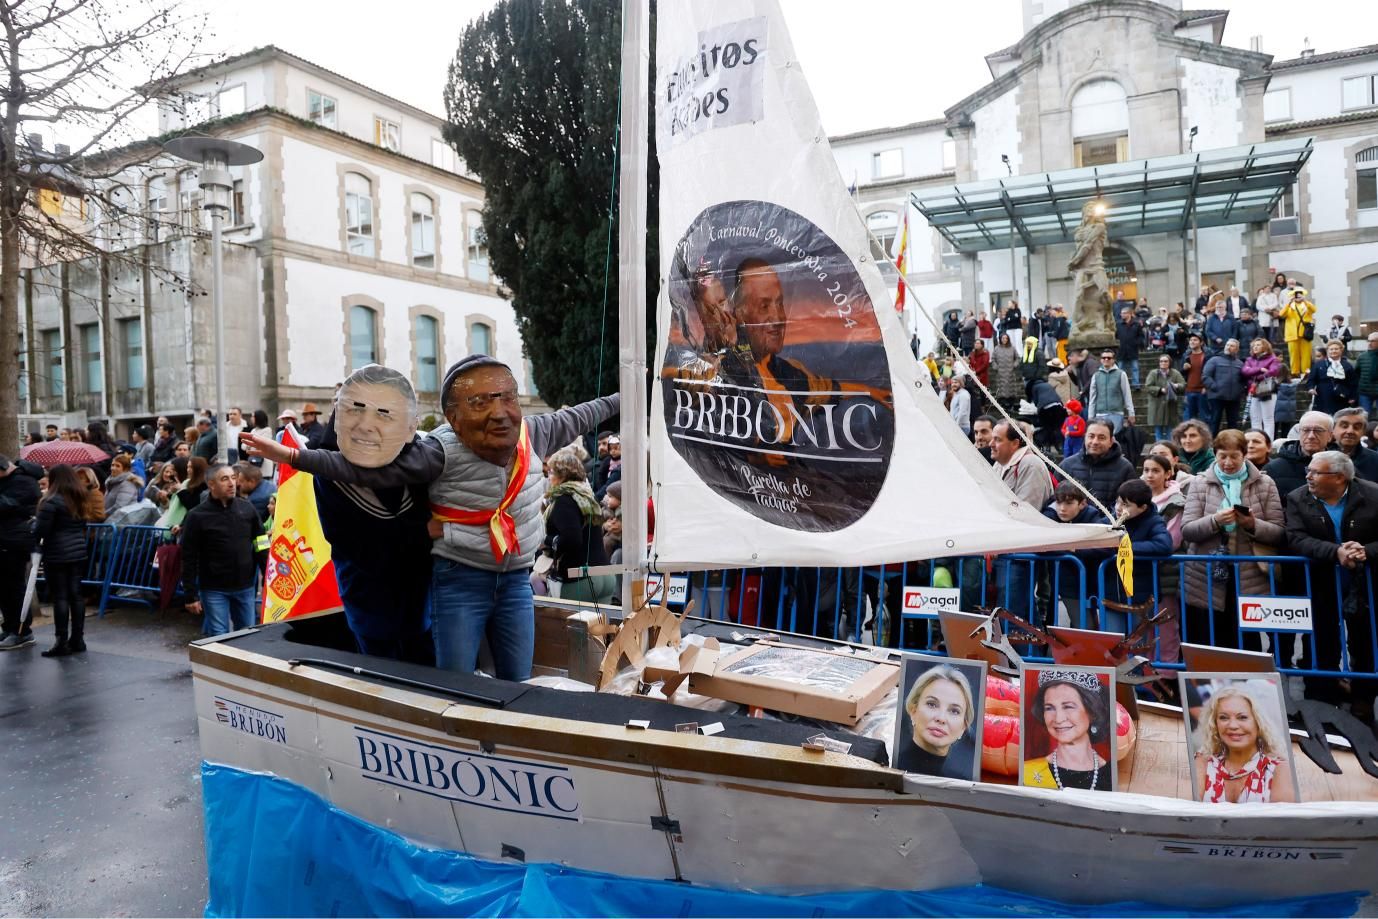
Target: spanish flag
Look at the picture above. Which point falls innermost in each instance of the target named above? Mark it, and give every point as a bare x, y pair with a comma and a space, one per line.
300, 580
901, 256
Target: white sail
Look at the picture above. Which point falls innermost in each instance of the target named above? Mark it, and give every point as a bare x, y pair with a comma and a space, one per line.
790, 424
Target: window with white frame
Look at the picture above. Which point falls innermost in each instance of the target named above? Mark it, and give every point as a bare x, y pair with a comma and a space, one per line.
320, 108
1100, 124
949, 154
50, 362
481, 338
884, 226
1359, 92
359, 215
387, 134
1277, 105
477, 246
947, 253
442, 155
189, 200
887, 164
1366, 178
89, 336
231, 101
155, 194
237, 216
363, 337
1284, 221
426, 334
422, 231
131, 334
123, 217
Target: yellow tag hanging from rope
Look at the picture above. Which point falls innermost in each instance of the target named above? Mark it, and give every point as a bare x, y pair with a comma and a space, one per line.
1124, 564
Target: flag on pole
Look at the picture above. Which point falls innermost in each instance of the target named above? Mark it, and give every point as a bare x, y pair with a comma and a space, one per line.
901, 256
300, 580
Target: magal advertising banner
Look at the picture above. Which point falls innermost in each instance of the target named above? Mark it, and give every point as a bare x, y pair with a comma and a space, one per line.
1275, 614
791, 423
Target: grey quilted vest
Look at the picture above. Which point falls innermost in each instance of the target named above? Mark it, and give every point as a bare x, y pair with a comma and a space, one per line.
471, 483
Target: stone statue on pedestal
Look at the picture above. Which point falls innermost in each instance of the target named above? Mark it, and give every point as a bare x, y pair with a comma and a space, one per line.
1093, 325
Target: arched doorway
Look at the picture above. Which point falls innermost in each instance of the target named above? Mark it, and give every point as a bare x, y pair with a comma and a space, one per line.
1122, 274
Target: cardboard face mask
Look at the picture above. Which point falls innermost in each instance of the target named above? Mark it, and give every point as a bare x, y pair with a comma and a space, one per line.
372, 423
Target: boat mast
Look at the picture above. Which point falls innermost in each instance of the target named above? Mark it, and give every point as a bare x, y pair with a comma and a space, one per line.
631, 293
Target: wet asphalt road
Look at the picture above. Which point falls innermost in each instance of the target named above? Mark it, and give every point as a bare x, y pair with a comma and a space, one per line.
100, 798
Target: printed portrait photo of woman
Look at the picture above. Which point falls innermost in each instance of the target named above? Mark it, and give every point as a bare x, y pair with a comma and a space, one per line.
938, 726
1241, 752
1069, 728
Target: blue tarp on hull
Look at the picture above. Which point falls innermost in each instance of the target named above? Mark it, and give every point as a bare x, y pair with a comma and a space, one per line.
276, 849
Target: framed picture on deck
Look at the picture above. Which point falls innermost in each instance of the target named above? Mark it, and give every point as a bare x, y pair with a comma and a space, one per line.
939, 719
1069, 721
1238, 743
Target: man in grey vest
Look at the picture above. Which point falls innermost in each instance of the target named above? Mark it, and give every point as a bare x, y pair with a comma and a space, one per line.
486, 485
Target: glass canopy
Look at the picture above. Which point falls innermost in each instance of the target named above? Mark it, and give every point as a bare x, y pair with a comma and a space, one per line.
1222, 187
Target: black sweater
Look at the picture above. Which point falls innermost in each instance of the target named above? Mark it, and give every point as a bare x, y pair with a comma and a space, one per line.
570, 540
62, 536
18, 501
223, 546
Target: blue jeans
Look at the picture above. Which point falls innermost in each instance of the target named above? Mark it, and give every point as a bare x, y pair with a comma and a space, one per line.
469, 603
1162, 432
1133, 370
227, 610
1116, 420
1195, 406
1228, 409
1366, 403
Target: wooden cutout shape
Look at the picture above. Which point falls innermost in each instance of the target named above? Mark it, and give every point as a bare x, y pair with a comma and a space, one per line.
636, 630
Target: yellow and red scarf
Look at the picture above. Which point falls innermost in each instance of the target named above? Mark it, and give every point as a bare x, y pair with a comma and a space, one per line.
502, 529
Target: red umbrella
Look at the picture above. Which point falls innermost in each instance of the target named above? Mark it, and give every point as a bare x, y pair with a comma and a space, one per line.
51, 453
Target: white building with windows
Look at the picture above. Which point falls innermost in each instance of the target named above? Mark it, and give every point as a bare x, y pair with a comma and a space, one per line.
357, 239
1218, 165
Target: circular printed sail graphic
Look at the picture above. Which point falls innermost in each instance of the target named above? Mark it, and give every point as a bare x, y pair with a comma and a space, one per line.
776, 388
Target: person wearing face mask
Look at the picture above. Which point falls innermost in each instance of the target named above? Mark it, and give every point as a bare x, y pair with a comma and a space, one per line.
1288, 468
1215, 518
483, 470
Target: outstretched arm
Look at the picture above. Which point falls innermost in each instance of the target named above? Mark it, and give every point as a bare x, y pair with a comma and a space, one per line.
555, 429
420, 462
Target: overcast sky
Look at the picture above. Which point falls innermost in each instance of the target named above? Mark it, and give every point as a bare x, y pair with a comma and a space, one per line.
856, 52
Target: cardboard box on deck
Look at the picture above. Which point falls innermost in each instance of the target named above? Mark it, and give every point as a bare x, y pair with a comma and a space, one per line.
709, 671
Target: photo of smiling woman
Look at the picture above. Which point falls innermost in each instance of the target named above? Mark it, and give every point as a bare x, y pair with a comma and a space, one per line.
1240, 748
938, 727
1069, 735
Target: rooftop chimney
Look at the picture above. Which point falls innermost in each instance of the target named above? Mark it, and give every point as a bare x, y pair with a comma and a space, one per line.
1306, 49
62, 150
1256, 44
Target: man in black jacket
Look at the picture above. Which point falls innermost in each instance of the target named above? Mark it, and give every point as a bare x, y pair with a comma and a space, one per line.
223, 549
1350, 424
1288, 468
1333, 520
18, 500
1101, 465
1129, 332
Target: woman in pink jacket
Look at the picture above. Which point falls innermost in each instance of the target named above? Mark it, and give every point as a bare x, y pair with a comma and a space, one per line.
1261, 372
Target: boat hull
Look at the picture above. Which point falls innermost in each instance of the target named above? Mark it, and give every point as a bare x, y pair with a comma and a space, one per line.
743, 815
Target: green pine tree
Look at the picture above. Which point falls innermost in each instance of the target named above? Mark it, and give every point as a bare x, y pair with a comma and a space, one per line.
532, 107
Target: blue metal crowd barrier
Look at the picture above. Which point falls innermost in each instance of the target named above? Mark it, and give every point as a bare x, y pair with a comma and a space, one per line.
121, 558
131, 570
1349, 623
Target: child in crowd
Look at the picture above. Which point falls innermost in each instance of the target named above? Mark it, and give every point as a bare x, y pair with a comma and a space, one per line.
1073, 429
1062, 578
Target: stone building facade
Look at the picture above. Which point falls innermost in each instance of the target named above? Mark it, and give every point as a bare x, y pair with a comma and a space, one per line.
357, 238
1105, 81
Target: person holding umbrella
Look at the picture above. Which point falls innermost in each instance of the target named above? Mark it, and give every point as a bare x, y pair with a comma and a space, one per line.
60, 528
19, 495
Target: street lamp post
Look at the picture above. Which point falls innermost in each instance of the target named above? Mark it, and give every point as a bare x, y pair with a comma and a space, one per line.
1195, 241
215, 156
1014, 274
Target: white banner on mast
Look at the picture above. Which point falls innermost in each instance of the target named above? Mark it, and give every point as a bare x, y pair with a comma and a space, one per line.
790, 423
